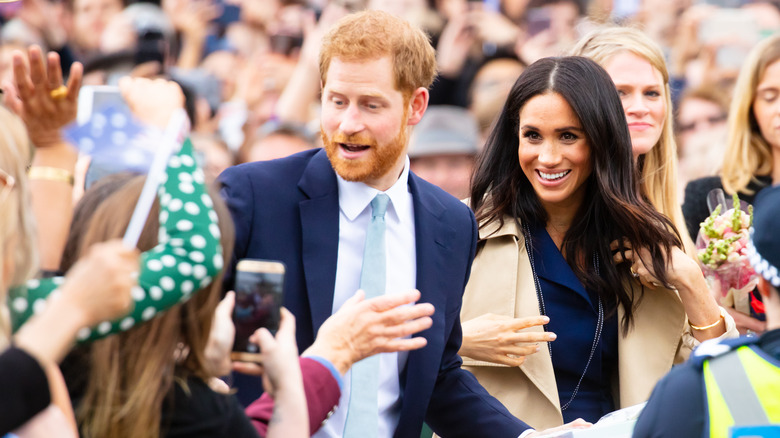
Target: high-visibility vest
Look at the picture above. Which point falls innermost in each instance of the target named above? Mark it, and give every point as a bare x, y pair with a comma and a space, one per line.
743, 389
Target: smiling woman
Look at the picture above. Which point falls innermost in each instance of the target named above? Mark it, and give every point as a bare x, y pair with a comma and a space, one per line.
557, 198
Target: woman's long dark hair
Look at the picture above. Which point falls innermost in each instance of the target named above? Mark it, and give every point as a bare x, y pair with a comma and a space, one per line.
611, 210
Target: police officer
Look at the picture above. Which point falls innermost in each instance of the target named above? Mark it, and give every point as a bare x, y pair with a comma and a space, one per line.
729, 383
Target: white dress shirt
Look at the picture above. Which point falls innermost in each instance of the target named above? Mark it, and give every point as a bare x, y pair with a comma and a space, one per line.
354, 217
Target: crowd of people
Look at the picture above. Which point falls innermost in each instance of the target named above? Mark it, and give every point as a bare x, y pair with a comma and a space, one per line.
488, 213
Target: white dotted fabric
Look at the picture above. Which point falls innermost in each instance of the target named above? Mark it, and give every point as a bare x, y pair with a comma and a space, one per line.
188, 254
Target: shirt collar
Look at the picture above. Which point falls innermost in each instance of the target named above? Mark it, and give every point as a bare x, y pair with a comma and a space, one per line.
355, 197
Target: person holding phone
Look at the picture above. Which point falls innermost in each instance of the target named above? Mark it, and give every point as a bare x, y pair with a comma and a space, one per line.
351, 216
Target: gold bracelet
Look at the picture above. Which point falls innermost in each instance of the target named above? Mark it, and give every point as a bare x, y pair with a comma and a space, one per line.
707, 327
50, 174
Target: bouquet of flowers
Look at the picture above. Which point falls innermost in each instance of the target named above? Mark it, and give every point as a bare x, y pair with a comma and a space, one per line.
722, 253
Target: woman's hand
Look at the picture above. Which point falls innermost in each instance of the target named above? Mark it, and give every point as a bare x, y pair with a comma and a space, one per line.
99, 284
684, 276
498, 339
680, 268
38, 95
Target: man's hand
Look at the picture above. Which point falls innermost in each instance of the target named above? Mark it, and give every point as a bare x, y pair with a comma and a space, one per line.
363, 328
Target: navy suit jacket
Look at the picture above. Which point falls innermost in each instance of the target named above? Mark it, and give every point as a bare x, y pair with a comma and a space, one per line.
288, 210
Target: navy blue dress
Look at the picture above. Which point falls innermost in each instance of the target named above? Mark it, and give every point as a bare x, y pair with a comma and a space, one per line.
573, 313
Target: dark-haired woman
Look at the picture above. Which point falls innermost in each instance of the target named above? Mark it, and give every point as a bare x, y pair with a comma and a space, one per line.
555, 195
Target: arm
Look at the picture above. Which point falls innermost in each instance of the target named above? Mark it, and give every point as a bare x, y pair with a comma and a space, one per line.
191, 18
97, 287
188, 255
686, 278
54, 160
322, 392
304, 84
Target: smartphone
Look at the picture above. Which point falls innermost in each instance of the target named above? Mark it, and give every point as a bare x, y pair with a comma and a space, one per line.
94, 98
259, 285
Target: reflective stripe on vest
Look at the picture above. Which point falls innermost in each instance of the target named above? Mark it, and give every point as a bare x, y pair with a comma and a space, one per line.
742, 390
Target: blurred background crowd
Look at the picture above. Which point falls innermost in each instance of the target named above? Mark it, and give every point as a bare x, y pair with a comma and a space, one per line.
250, 75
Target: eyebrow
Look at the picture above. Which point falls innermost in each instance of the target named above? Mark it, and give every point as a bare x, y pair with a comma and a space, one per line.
564, 129
631, 84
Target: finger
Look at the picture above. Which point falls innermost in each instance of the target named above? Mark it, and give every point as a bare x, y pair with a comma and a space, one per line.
24, 85
407, 344
265, 340
225, 307
354, 299
54, 70
408, 328
252, 369
400, 314
508, 360
520, 350
75, 79
528, 337
37, 66
286, 325
524, 323
390, 301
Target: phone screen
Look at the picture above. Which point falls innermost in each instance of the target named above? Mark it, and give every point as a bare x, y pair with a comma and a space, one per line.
258, 288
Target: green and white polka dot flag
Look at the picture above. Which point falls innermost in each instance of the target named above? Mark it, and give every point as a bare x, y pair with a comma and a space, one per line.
187, 257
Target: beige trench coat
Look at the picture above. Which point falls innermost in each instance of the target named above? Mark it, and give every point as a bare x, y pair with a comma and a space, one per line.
502, 283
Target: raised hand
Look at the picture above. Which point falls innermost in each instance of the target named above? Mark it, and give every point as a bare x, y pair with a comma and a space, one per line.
153, 101
99, 283
363, 328
40, 97
501, 339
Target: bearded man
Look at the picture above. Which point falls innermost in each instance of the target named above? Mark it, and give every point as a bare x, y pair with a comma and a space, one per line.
322, 212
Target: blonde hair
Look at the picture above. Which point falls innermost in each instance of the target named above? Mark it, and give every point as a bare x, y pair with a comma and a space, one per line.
747, 153
131, 373
658, 168
370, 35
17, 223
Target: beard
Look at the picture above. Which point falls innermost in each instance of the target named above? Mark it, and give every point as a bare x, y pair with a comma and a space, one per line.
379, 160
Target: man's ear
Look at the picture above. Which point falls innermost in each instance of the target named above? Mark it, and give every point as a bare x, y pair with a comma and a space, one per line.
418, 103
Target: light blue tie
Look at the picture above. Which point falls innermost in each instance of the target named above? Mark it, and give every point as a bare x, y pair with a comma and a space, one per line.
362, 412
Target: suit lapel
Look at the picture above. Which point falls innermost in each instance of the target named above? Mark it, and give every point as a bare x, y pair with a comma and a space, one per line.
431, 237
320, 232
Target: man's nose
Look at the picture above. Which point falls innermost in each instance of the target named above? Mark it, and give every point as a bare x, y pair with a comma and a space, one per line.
352, 120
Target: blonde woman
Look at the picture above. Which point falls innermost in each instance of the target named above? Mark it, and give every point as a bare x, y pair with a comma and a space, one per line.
97, 288
752, 159
636, 64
